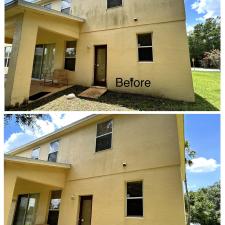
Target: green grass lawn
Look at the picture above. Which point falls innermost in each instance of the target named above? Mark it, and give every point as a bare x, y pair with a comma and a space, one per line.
207, 86
207, 98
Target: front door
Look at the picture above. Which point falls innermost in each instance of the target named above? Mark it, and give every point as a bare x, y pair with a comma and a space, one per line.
100, 65
85, 210
26, 209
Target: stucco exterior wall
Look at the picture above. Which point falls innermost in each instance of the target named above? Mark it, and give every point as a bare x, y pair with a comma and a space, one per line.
156, 134
162, 192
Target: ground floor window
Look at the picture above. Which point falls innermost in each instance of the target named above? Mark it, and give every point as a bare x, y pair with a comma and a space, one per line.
135, 199
54, 206
70, 55
145, 53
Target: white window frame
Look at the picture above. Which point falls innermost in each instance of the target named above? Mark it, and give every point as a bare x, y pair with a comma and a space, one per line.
36, 149
98, 136
139, 47
142, 197
50, 152
7, 58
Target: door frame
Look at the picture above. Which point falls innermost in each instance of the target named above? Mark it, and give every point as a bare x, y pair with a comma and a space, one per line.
84, 197
97, 83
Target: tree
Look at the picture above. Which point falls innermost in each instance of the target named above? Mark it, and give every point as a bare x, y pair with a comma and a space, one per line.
204, 38
205, 205
189, 156
24, 119
211, 59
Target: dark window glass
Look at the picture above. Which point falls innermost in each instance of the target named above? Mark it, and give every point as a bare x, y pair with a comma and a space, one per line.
134, 199
103, 142
145, 54
104, 128
134, 207
134, 189
54, 206
114, 3
145, 39
70, 64
52, 157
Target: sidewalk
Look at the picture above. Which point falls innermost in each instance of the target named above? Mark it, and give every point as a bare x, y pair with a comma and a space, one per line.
205, 70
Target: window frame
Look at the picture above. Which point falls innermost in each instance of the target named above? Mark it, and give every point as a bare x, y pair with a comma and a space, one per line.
126, 198
98, 136
114, 7
69, 57
57, 140
7, 58
38, 148
48, 6
138, 47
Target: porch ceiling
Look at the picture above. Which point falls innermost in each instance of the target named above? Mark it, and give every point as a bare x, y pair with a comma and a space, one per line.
47, 173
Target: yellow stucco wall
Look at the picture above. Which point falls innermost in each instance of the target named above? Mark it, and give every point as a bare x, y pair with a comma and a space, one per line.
148, 144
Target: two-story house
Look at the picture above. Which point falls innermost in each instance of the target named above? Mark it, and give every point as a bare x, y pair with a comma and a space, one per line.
103, 169
115, 44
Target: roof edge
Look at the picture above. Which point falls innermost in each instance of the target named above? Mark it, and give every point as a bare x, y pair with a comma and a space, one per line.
23, 160
57, 132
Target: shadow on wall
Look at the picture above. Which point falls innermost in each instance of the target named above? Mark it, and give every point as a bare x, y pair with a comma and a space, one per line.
130, 101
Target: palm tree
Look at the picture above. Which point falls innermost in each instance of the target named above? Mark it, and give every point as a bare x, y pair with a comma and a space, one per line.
189, 156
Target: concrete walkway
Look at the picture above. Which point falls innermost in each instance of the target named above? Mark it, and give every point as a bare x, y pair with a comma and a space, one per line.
205, 70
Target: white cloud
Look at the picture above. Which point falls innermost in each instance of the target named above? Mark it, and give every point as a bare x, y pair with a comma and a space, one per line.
44, 127
209, 8
203, 165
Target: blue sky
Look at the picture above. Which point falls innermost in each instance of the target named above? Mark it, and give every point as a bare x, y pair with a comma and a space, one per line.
198, 10
202, 132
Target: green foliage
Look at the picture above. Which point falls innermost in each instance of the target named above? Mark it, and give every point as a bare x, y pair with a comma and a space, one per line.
204, 38
24, 119
205, 205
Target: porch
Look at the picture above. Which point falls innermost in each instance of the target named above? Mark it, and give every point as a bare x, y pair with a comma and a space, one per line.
34, 190
41, 42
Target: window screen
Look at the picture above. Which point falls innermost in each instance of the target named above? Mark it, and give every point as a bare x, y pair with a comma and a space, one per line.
134, 199
35, 153
53, 152
104, 136
113, 3
70, 55
145, 52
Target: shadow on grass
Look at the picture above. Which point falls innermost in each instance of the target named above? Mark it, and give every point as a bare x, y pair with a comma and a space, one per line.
131, 101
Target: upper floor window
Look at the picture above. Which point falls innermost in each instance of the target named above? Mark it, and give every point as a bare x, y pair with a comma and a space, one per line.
134, 199
145, 53
70, 55
48, 6
66, 6
104, 136
53, 152
35, 153
8, 50
114, 3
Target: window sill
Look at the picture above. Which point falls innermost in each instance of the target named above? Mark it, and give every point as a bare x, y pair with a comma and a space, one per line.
134, 217
114, 7
146, 62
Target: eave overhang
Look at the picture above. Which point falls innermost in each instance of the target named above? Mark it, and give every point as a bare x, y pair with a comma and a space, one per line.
16, 7
28, 161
